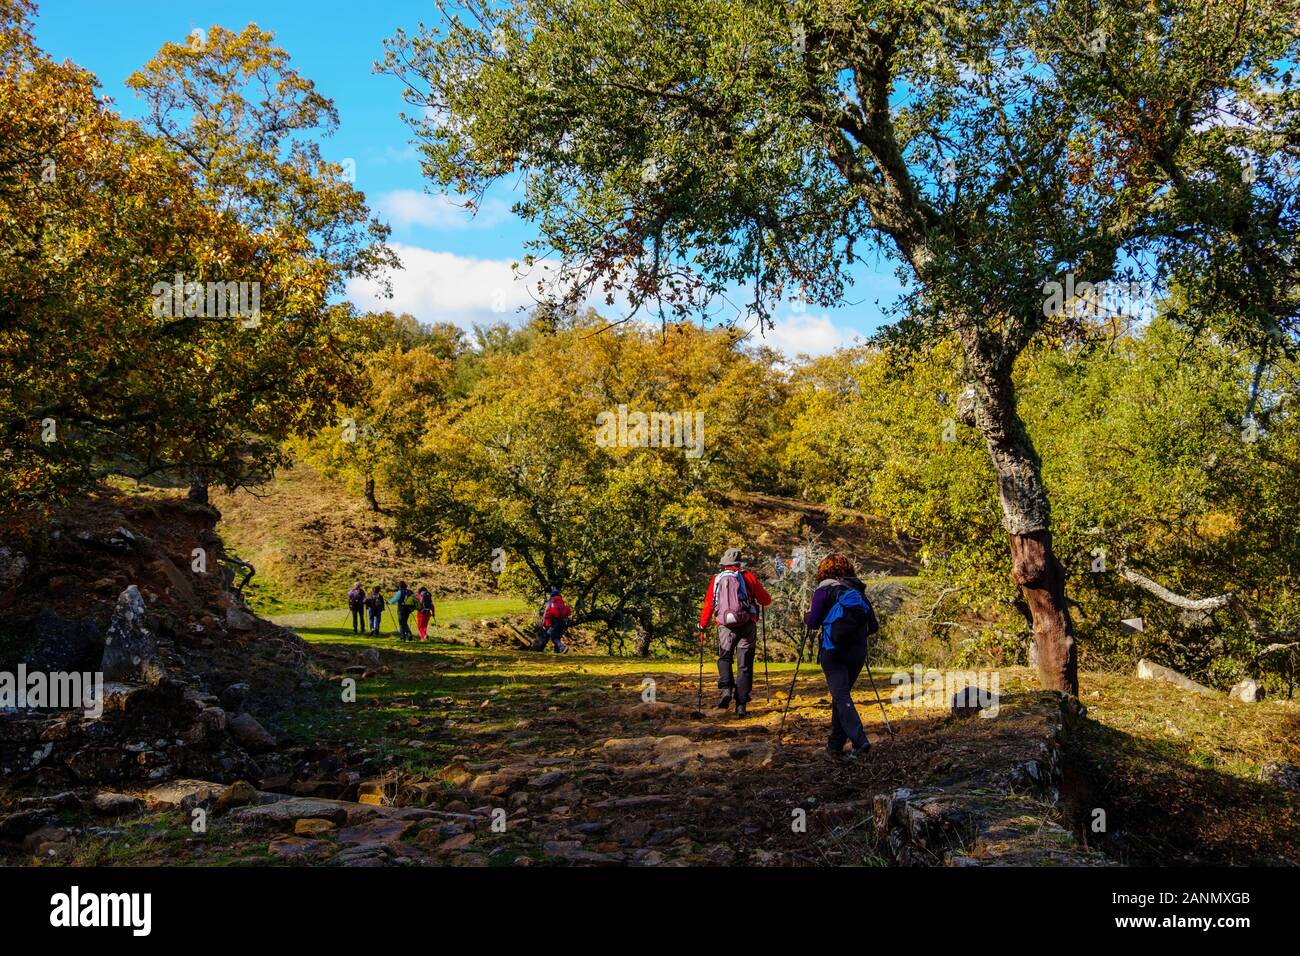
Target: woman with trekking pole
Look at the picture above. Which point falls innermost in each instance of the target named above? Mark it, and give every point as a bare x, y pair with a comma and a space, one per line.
843, 619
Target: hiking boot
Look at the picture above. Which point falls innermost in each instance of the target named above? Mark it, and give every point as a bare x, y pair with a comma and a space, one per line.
726, 700
857, 752
741, 711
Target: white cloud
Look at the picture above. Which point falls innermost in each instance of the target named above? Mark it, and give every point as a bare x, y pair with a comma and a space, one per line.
403, 208
445, 287
803, 334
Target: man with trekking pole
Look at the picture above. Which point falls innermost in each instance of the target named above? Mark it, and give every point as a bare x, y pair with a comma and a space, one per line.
733, 602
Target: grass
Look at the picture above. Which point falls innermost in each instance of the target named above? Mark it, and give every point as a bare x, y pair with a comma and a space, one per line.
335, 624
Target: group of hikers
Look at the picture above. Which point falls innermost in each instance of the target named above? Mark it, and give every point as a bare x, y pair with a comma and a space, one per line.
840, 614
368, 610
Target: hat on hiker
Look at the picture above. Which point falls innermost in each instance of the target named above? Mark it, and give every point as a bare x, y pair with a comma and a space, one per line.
729, 557
552, 592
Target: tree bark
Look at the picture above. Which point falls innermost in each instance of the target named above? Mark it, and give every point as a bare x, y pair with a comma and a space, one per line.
198, 492
989, 405
371, 501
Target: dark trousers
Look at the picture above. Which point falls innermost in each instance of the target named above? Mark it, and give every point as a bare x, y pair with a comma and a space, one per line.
738, 644
375, 618
358, 618
403, 621
842, 667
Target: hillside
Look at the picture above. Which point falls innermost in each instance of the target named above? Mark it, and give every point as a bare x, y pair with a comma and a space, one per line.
309, 539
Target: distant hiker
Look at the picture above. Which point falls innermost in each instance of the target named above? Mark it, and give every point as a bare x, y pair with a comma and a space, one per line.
423, 611
555, 621
732, 602
357, 605
405, 601
375, 608
844, 619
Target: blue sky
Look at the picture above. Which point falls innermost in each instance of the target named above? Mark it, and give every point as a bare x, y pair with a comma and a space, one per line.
455, 267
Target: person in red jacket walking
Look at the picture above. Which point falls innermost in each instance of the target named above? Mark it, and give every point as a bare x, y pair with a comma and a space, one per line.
732, 602
555, 621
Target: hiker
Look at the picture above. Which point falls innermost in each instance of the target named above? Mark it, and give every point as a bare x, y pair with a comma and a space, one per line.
375, 608
423, 611
357, 605
732, 602
555, 621
403, 598
844, 619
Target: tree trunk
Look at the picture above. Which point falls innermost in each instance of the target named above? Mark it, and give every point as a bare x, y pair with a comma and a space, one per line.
371, 501
198, 492
989, 404
644, 638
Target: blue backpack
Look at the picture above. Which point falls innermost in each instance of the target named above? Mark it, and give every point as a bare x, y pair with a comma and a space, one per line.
850, 618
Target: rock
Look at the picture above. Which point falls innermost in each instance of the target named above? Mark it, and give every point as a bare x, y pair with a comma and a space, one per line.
296, 848
237, 619
238, 794
1246, 691
547, 780
1280, 774
13, 568
312, 827
284, 814
234, 696
15, 825
130, 647
970, 701
182, 794
459, 842
376, 831
250, 734
1149, 670
62, 644
33, 841
112, 804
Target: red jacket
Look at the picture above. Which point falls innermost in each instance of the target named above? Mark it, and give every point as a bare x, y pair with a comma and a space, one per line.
555, 608
751, 582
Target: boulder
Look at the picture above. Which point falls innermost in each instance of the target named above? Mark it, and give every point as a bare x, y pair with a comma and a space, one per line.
63, 644
130, 647
181, 794
13, 568
1149, 670
285, 814
112, 804
250, 734
1280, 774
238, 794
1247, 691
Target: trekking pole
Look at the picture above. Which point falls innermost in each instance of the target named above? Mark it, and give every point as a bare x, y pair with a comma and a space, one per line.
871, 677
767, 685
699, 698
393, 617
797, 661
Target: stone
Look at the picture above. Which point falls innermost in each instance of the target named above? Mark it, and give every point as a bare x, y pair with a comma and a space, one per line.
34, 840
234, 696
112, 804
296, 848
1149, 670
547, 780
971, 701
1281, 774
284, 814
130, 647
237, 619
1247, 691
458, 842
376, 831
313, 827
15, 825
250, 734
182, 794
63, 644
13, 567
238, 794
